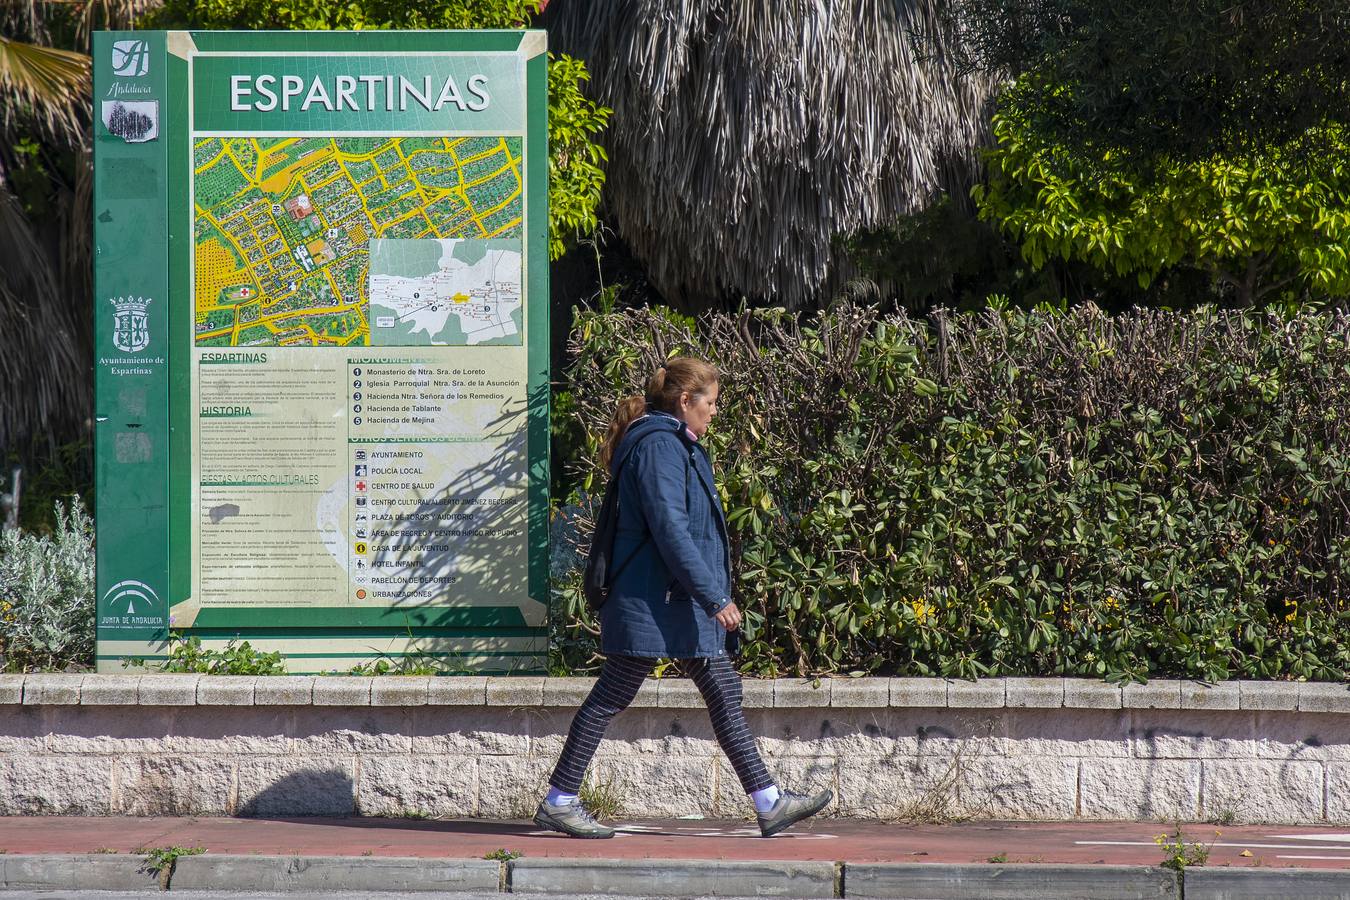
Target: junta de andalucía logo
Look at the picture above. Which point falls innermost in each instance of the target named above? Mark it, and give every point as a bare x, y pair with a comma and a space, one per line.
130, 59
137, 596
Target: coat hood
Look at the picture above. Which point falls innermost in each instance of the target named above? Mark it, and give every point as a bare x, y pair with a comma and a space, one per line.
643, 426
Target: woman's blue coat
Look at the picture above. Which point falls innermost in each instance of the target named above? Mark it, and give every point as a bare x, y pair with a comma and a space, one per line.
671, 552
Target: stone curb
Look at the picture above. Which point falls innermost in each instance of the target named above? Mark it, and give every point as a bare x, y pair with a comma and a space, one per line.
669, 877
1263, 884
673, 877
783, 693
373, 874
941, 881
76, 872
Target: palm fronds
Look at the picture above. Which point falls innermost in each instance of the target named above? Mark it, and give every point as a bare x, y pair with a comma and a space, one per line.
45, 200
46, 84
111, 15
747, 134
44, 349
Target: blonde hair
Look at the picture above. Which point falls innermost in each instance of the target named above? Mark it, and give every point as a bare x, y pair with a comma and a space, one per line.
679, 376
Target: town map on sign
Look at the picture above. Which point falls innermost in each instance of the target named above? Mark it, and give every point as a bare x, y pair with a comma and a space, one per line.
283, 227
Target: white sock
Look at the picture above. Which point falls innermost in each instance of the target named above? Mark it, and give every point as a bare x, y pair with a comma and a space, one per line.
765, 798
558, 798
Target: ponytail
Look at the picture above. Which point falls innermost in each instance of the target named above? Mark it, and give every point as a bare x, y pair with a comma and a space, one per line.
629, 409
680, 375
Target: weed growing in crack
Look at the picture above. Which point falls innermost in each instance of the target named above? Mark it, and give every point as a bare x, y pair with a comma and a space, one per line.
1180, 854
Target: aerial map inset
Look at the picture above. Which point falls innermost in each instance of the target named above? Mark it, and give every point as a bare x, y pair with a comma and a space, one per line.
284, 228
448, 292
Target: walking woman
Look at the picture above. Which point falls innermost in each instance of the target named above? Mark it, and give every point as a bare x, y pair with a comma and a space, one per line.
670, 596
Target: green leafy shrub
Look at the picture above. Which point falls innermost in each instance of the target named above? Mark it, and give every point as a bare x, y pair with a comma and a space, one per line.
415, 661
50, 473
1011, 493
186, 655
47, 593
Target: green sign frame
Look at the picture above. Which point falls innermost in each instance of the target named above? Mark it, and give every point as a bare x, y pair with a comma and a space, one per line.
293, 445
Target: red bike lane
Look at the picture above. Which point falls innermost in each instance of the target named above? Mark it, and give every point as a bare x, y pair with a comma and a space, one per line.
846, 840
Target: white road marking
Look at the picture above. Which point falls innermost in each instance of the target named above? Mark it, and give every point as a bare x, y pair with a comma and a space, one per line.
1312, 837
745, 832
1216, 844
686, 831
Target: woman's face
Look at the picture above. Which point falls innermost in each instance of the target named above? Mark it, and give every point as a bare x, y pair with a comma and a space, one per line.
698, 411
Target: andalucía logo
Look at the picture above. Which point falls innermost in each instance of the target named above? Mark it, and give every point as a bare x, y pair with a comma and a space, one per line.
131, 323
130, 593
130, 59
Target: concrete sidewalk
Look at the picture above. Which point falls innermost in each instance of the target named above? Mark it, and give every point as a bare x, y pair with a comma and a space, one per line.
824, 858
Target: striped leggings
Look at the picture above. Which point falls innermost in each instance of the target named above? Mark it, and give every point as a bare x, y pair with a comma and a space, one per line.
618, 684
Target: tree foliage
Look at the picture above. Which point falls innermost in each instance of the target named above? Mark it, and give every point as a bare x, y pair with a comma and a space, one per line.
1257, 223
576, 176
1153, 77
356, 15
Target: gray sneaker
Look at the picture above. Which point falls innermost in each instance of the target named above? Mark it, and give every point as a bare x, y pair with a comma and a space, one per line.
790, 809
572, 819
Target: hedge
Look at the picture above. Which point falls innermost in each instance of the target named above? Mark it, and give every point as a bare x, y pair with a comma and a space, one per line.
1007, 492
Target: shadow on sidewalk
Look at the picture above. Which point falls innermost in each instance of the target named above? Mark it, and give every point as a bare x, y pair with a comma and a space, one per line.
381, 823
685, 829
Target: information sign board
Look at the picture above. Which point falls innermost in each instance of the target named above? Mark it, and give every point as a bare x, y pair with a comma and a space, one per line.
322, 345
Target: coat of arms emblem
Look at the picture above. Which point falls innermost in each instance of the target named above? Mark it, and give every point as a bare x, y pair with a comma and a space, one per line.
131, 323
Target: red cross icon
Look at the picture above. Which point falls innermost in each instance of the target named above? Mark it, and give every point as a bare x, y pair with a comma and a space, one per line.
361, 486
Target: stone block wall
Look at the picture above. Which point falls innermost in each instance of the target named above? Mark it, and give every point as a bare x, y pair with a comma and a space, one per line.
1017, 748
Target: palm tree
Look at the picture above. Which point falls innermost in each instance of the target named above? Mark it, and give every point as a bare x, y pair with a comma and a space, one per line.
748, 134
45, 195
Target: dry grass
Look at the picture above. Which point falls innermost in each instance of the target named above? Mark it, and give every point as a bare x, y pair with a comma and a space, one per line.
602, 798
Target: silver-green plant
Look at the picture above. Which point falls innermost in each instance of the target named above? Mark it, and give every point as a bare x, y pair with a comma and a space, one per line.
47, 593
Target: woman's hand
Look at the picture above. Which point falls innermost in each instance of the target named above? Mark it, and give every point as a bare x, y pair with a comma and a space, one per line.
729, 617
